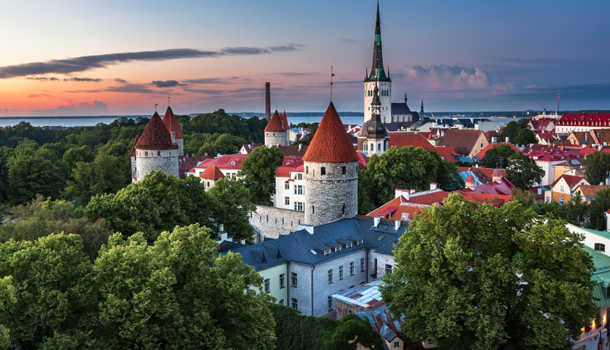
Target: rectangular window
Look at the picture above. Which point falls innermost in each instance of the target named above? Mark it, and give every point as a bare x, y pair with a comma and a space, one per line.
548, 199
330, 276
286, 185
282, 281
330, 303
340, 272
322, 171
337, 249
388, 268
281, 302
287, 200
158, 153
267, 287
295, 305
362, 265
561, 189
294, 280
351, 268
396, 344
299, 176
600, 247
349, 245
298, 189
298, 206
344, 170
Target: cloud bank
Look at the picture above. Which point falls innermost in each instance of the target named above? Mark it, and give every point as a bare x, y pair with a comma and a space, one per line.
75, 108
83, 63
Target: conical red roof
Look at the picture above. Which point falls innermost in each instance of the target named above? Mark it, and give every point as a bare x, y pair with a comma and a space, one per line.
276, 124
172, 124
156, 136
212, 173
331, 143
133, 147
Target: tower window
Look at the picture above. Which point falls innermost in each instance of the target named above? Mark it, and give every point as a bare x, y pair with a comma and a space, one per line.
343, 209
146, 154
313, 209
306, 170
322, 171
158, 153
344, 170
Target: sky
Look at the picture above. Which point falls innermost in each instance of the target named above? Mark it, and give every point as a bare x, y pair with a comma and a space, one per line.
63, 58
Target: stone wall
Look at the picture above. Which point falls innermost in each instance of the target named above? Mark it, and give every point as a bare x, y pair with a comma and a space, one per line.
332, 196
302, 293
153, 160
273, 138
273, 222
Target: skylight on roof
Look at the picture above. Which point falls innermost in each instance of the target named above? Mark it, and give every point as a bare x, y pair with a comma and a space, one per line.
313, 252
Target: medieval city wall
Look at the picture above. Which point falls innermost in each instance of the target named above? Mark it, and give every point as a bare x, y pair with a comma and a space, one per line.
273, 222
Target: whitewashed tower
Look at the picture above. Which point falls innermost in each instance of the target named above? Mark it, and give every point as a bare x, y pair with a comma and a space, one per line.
155, 150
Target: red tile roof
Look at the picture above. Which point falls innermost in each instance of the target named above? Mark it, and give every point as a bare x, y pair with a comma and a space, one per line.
584, 119
405, 139
481, 154
448, 153
571, 180
133, 147
331, 143
363, 160
156, 136
171, 123
503, 188
276, 124
249, 147
229, 161
289, 164
293, 151
541, 123
591, 190
212, 173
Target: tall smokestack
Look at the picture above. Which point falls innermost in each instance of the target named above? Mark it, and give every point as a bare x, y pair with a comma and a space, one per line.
267, 101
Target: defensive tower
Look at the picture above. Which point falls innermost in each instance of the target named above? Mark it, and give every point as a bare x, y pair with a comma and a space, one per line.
155, 150
276, 132
174, 128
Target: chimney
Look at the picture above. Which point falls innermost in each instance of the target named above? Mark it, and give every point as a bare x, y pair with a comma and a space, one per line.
411, 191
308, 228
376, 221
433, 186
300, 144
396, 225
268, 101
397, 193
507, 139
442, 133
408, 195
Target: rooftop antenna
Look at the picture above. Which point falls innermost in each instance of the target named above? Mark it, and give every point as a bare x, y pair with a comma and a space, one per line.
331, 83
557, 103
156, 105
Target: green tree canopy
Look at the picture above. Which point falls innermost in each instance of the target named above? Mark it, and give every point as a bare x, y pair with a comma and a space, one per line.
597, 167
258, 172
179, 294
77, 155
474, 276
522, 171
235, 207
155, 204
497, 156
511, 130
405, 168
7, 296
599, 205
525, 137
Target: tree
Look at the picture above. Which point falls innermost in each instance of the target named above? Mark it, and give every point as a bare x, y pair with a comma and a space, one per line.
41, 218
258, 172
77, 155
497, 156
597, 167
510, 130
180, 294
101, 176
525, 137
53, 285
155, 204
405, 168
576, 210
7, 296
553, 210
474, 276
599, 205
352, 330
523, 172
235, 207
4, 175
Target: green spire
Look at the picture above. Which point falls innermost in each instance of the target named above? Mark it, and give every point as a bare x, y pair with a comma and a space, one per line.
377, 70
378, 12
421, 112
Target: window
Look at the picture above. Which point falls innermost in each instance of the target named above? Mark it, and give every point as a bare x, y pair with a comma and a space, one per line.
322, 171
600, 247
298, 189
372, 147
344, 170
349, 311
330, 303
146, 154
281, 302
327, 251
349, 245
340, 272
299, 176
294, 279
351, 268
294, 303
298, 206
379, 147
282, 281
287, 200
396, 344
208, 184
158, 153
267, 287
388, 268
548, 199
343, 209
286, 185
561, 201
362, 265
561, 188
306, 170
313, 209
337, 249
359, 242
330, 276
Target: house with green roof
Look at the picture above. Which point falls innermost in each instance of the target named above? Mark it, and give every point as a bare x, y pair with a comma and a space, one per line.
597, 240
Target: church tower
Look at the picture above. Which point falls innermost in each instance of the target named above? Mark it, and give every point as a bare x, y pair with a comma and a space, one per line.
373, 137
331, 173
378, 78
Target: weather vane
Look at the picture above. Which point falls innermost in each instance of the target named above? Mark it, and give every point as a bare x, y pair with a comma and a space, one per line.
168, 100
331, 83
156, 105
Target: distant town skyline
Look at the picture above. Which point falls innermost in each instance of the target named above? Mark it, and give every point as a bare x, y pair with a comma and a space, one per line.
114, 57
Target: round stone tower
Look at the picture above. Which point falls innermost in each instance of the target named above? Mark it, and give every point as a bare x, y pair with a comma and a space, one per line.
174, 128
156, 151
331, 173
276, 132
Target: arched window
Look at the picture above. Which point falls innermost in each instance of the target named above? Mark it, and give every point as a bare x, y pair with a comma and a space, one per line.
372, 147
208, 184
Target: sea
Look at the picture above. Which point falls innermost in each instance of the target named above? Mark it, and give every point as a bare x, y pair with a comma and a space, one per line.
293, 118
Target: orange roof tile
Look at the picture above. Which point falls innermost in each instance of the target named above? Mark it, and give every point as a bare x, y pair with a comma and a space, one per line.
405, 139
171, 123
447, 152
156, 136
212, 173
331, 143
276, 124
591, 190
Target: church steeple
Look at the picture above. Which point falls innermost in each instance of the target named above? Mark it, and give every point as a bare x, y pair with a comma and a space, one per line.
421, 112
377, 70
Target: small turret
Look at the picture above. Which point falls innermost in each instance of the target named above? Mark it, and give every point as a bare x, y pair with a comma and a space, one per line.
155, 150
276, 130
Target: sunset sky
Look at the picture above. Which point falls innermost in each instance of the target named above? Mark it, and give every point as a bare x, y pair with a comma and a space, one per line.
121, 57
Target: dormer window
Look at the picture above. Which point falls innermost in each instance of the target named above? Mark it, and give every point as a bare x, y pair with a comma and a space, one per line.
337, 249
359, 242
232, 162
327, 252
349, 245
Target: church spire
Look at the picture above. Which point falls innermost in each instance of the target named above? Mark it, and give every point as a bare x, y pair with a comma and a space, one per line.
421, 112
377, 71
